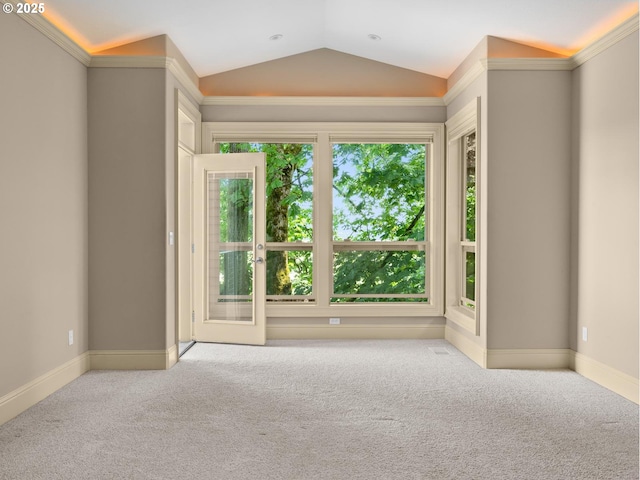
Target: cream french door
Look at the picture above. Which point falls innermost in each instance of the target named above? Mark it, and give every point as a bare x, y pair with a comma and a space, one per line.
228, 251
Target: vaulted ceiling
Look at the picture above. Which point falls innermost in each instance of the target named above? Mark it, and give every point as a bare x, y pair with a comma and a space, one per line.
427, 36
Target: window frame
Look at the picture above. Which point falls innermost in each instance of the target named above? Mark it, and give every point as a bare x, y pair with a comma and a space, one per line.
459, 127
323, 135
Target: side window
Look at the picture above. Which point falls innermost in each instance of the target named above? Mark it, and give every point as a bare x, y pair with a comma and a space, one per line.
468, 219
462, 219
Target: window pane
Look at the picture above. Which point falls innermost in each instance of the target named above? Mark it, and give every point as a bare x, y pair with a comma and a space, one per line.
234, 196
379, 272
230, 230
470, 187
379, 192
235, 275
470, 275
289, 207
289, 272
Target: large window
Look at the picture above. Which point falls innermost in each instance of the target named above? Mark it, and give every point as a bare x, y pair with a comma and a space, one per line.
379, 220
354, 215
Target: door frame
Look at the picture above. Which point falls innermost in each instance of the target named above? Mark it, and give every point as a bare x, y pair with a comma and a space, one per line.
188, 129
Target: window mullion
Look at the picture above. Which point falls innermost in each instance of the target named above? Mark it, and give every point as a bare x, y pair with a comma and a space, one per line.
323, 220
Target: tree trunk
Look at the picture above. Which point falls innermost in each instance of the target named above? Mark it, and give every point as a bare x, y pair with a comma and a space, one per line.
237, 280
278, 274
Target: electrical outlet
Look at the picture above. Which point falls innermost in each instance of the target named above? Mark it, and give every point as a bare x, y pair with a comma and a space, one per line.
334, 321
70, 337
585, 334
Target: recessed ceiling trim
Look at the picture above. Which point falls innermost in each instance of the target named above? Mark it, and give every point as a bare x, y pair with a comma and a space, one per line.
547, 64
467, 79
623, 30
325, 101
54, 34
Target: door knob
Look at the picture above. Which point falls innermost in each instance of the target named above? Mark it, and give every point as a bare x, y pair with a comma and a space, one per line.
259, 260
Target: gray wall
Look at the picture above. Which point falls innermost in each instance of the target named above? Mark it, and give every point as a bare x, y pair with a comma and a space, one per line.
322, 114
127, 209
43, 205
605, 207
528, 195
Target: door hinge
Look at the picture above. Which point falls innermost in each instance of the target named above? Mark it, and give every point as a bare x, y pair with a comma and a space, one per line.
193, 316
193, 248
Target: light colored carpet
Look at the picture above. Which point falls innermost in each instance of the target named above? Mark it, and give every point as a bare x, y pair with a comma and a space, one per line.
325, 410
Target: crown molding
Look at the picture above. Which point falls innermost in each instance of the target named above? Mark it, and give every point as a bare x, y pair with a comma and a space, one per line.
324, 101
548, 64
118, 61
467, 79
619, 33
191, 88
54, 34
524, 64
458, 125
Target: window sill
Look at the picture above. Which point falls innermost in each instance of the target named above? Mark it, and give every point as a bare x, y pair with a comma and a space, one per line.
463, 318
371, 310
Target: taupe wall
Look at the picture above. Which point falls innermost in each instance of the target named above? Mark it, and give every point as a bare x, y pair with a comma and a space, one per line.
127, 209
322, 114
43, 205
528, 195
605, 200
524, 207
323, 72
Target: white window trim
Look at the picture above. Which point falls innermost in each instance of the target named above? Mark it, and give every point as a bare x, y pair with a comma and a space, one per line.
187, 134
321, 134
461, 124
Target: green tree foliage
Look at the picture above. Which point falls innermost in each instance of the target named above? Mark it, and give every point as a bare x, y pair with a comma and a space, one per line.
470, 213
379, 195
379, 192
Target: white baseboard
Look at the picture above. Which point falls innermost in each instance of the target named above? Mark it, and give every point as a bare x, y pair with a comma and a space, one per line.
343, 332
471, 349
542, 359
615, 380
16, 402
132, 359
532, 359
172, 356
